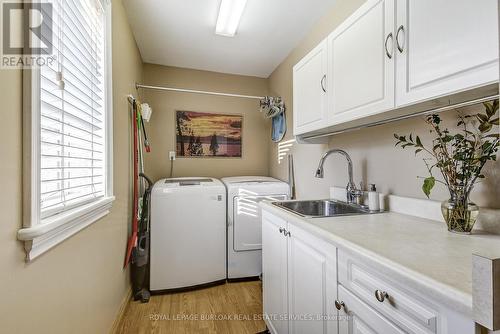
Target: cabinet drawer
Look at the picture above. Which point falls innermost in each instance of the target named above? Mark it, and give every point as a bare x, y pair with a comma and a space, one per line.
361, 318
404, 307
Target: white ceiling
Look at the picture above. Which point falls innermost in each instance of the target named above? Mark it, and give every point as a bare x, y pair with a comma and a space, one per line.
182, 33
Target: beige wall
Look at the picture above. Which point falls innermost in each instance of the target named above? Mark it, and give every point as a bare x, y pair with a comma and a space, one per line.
78, 286
375, 158
161, 129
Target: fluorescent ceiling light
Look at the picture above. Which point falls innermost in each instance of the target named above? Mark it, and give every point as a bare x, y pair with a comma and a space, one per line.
230, 12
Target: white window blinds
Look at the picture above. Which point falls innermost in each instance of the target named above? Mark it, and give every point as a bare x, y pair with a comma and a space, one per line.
72, 108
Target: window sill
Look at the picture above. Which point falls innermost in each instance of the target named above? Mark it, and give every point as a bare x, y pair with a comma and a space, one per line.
39, 239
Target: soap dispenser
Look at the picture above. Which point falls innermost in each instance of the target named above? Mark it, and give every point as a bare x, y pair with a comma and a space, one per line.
373, 198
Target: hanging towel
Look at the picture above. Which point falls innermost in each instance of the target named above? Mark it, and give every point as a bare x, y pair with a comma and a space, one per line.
278, 127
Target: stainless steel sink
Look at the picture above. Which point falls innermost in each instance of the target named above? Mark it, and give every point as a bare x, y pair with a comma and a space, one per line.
322, 208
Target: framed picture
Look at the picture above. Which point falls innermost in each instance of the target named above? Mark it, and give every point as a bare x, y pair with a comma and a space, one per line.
201, 134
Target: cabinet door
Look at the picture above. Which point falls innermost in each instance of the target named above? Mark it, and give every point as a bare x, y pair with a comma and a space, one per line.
309, 91
274, 275
312, 284
445, 47
358, 318
361, 63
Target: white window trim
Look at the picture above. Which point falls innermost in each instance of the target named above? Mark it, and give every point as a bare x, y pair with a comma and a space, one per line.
39, 238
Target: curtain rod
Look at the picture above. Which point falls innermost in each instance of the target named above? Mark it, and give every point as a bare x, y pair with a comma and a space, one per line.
182, 90
420, 113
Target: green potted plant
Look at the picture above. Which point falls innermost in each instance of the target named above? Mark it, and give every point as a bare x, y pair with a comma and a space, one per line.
460, 157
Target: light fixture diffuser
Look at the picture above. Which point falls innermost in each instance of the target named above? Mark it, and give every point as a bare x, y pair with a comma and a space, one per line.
230, 12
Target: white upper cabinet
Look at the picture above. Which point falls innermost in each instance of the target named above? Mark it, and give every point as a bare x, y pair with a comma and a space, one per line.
396, 54
309, 91
444, 47
361, 63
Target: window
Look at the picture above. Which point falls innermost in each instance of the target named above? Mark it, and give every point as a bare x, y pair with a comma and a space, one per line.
69, 113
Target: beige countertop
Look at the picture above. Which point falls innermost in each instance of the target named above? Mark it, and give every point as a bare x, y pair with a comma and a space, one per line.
422, 251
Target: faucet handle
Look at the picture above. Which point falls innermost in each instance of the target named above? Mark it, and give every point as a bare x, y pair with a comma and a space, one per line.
357, 193
356, 196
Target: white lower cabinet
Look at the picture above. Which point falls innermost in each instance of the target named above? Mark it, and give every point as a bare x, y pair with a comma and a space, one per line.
301, 298
310, 286
274, 273
358, 318
407, 308
312, 283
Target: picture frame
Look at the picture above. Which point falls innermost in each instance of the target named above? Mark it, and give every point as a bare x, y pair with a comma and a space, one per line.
208, 135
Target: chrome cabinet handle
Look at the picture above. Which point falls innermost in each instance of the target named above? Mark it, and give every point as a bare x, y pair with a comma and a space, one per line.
282, 230
389, 54
381, 295
322, 83
400, 47
339, 304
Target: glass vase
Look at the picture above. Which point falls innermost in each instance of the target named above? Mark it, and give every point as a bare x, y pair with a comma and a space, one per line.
459, 212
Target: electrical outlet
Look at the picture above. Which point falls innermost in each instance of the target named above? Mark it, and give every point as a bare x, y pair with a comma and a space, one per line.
171, 155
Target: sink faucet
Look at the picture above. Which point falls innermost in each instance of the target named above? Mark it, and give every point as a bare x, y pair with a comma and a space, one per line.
353, 194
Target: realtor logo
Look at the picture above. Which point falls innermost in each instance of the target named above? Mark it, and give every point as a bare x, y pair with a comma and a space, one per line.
26, 34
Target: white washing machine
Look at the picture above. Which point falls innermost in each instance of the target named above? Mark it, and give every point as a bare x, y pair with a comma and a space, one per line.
188, 233
244, 225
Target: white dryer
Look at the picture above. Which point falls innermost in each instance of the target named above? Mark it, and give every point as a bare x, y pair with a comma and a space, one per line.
244, 224
188, 233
